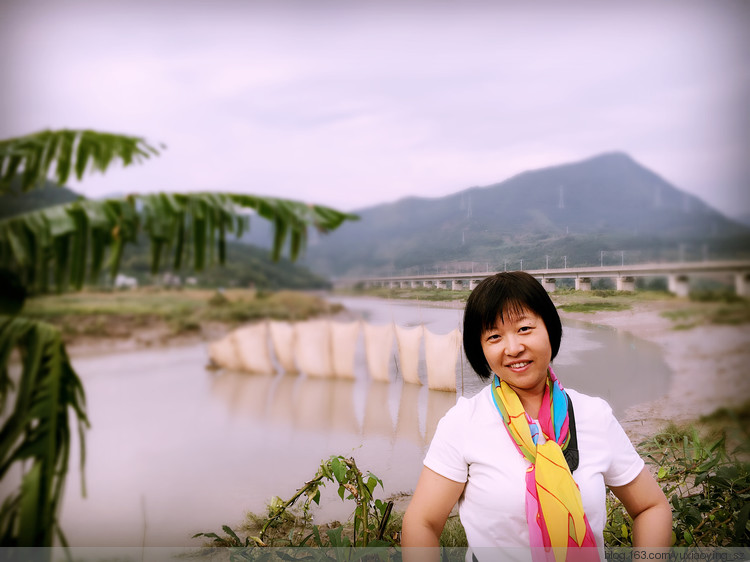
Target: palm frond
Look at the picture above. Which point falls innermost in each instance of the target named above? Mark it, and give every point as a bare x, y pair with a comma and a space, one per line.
66, 242
54, 154
36, 435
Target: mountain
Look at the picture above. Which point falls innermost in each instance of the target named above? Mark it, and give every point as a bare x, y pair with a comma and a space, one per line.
16, 201
604, 209
743, 219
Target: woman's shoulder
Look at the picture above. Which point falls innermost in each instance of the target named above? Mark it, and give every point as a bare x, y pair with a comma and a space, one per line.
469, 408
585, 405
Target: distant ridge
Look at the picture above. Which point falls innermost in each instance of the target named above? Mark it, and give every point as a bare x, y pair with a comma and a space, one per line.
16, 201
577, 212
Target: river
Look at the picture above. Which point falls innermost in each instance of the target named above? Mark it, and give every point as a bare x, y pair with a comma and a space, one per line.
175, 449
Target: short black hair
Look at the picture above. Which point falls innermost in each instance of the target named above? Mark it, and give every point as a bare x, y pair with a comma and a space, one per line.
506, 294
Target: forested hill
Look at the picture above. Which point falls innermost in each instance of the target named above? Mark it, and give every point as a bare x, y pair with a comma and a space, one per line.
16, 202
608, 203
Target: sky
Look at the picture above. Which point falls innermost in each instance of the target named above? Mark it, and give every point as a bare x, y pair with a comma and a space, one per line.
355, 103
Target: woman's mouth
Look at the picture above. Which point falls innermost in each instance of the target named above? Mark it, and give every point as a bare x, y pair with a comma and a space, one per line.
518, 365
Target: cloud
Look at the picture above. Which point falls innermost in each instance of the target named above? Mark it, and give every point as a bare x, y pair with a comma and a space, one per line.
352, 104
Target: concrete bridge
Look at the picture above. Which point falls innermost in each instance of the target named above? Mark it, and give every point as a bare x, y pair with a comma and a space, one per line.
677, 274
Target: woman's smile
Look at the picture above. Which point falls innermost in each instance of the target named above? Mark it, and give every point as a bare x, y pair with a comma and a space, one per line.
518, 367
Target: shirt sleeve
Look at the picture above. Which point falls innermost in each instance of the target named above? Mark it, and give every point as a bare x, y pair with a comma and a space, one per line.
625, 462
445, 455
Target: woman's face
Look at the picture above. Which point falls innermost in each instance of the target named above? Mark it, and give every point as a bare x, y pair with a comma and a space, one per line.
518, 351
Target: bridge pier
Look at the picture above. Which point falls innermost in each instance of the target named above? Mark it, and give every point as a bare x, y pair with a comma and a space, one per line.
442, 284
415, 284
742, 284
626, 284
549, 284
678, 285
427, 284
583, 283
473, 283
457, 285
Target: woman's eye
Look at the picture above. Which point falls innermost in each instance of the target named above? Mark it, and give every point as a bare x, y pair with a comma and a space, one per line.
525, 329
493, 337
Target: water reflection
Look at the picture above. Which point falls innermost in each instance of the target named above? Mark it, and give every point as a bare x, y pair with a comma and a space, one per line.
407, 425
360, 408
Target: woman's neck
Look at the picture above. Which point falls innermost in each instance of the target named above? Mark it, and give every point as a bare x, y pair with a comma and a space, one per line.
531, 402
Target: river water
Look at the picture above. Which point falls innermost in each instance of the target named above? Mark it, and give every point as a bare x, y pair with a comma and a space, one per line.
175, 449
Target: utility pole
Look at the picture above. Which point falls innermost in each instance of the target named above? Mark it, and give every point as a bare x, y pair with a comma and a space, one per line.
566, 261
521, 265
622, 254
547, 263
601, 258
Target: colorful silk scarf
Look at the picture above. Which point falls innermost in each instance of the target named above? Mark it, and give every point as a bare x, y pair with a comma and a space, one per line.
554, 510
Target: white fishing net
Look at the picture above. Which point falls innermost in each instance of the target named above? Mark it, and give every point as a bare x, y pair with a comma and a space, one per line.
223, 352
441, 354
378, 346
343, 345
251, 343
313, 348
282, 338
408, 340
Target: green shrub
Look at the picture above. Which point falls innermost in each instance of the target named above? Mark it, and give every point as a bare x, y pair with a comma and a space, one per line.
707, 486
714, 295
284, 527
218, 299
593, 306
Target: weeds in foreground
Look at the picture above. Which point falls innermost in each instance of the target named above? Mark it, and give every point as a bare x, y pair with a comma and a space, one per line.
370, 519
707, 486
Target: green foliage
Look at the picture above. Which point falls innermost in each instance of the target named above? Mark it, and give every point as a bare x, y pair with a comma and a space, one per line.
60, 245
218, 299
68, 241
121, 313
58, 153
593, 306
416, 293
722, 313
714, 295
245, 266
454, 534
35, 437
707, 487
604, 293
370, 518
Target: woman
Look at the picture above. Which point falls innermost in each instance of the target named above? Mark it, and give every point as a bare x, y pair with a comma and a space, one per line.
506, 455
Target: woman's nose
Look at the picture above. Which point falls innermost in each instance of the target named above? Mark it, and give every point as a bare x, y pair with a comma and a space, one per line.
514, 346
